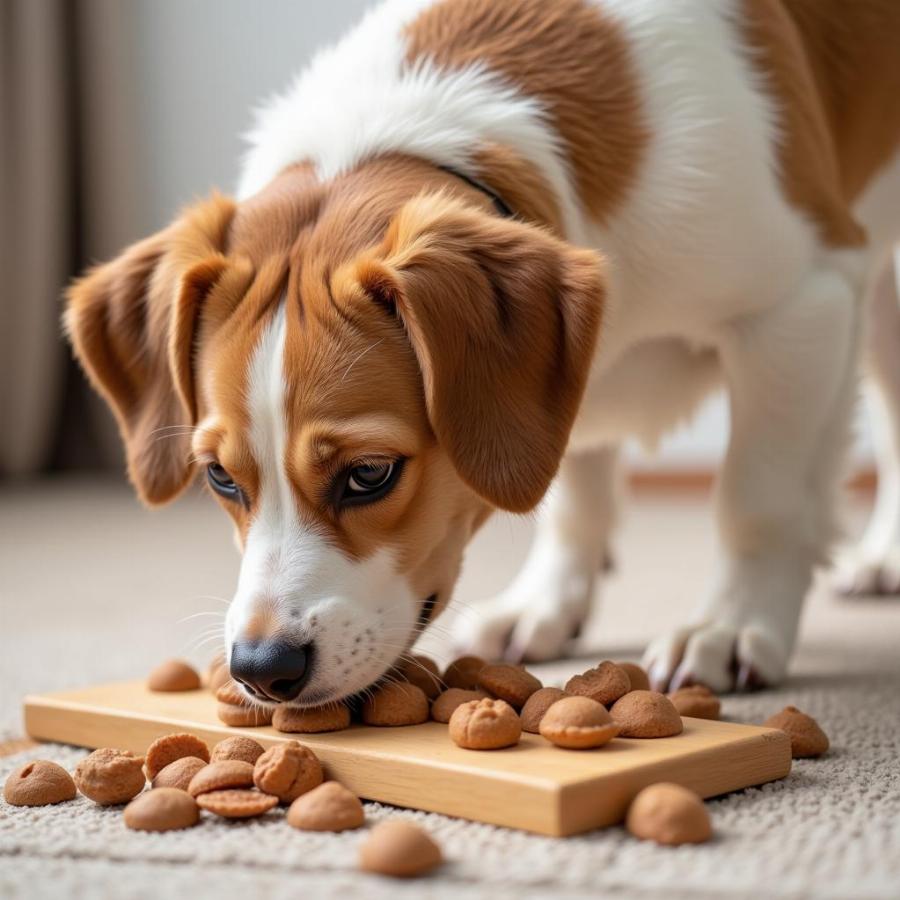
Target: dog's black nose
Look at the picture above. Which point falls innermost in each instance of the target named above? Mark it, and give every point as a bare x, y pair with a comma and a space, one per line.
272, 670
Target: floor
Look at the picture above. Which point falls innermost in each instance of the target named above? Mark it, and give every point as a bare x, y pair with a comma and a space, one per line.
93, 587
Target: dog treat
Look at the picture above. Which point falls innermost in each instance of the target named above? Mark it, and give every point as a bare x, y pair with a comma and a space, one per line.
174, 675
109, 776
697, 701
445, 703
578, 723
636, 676
807, 738
646, 714
605, 683
217, 673
162, 809
222, 776
235, 709
287, 770
536, 705
242, 748
509, 683
328, 807
38, 783
243, 716
170, 747
289, 719
668, 814
237, 804
424, 673
396, 703
487, 724
463, 673
399, 849
178, 774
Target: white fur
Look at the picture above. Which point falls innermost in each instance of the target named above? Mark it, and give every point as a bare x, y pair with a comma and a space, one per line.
714, 276
358, 99
353, 612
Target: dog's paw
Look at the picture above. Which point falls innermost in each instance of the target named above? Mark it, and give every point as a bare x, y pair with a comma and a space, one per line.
860, 573
722, 656
532, 620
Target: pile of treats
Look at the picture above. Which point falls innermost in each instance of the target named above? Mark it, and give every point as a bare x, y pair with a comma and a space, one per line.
487, 707
238, 779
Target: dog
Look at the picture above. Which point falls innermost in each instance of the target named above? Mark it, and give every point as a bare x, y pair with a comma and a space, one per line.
475, 246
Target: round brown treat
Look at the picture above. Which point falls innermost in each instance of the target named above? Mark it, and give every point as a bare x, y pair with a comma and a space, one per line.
287, 770
646, 714
668, 814
637, 677
218, 677
174, 675
243, 748
222, 776
328, 807
463, 672
486, 724
445, 703
243, 716
807, 738
237, 804
604, 683
162, 809
38, 783
509, 683
396, 703
399, 849
535, 707
178, 774
578, 723
696, 701
110, 776
316, 719
231, 694
424, 673
170, 747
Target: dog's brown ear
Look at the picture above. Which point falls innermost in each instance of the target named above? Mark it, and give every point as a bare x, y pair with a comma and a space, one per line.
132, 324
503, 319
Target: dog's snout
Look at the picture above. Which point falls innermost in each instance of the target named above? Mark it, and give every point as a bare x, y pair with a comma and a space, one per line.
272, 670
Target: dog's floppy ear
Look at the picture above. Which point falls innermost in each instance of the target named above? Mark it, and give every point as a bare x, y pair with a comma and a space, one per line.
503, 319
132, 324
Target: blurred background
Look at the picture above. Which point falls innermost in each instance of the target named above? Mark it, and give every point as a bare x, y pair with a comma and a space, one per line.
115, 113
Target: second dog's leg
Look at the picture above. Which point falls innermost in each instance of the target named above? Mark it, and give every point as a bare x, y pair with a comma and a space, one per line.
550, 598
873, 567
791, 373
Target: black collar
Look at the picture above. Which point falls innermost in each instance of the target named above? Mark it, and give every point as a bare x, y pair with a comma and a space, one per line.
502, 207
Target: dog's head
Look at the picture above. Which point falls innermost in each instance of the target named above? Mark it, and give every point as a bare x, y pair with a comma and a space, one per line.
362, 380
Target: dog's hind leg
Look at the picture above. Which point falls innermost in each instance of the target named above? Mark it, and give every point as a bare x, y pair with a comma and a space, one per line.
873, 567
550, 598
791, 372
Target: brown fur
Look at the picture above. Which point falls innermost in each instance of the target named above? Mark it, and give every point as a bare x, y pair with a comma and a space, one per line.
372, 372
834, 68
566, 54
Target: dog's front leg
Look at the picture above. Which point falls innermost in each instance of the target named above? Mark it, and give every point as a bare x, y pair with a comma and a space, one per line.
550, 598
791, 374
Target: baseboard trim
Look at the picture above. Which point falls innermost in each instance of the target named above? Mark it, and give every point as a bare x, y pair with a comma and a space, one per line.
703, 480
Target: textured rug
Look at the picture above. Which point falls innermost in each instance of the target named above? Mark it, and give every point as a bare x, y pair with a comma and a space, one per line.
99, 596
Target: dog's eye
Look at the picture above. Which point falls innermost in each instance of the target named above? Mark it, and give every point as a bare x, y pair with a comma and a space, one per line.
221, 482
370, 482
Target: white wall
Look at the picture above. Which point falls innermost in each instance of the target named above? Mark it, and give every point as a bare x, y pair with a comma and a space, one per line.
195, 68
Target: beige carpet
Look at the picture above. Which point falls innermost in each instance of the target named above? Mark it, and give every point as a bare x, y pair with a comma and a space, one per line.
92, 588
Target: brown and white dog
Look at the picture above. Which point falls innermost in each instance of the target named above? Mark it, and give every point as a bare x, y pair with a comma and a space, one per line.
392, 331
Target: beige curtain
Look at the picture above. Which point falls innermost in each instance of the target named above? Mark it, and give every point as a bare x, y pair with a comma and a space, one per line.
67, 199
36, 225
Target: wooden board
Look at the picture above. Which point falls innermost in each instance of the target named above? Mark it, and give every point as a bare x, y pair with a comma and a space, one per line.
534, 786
